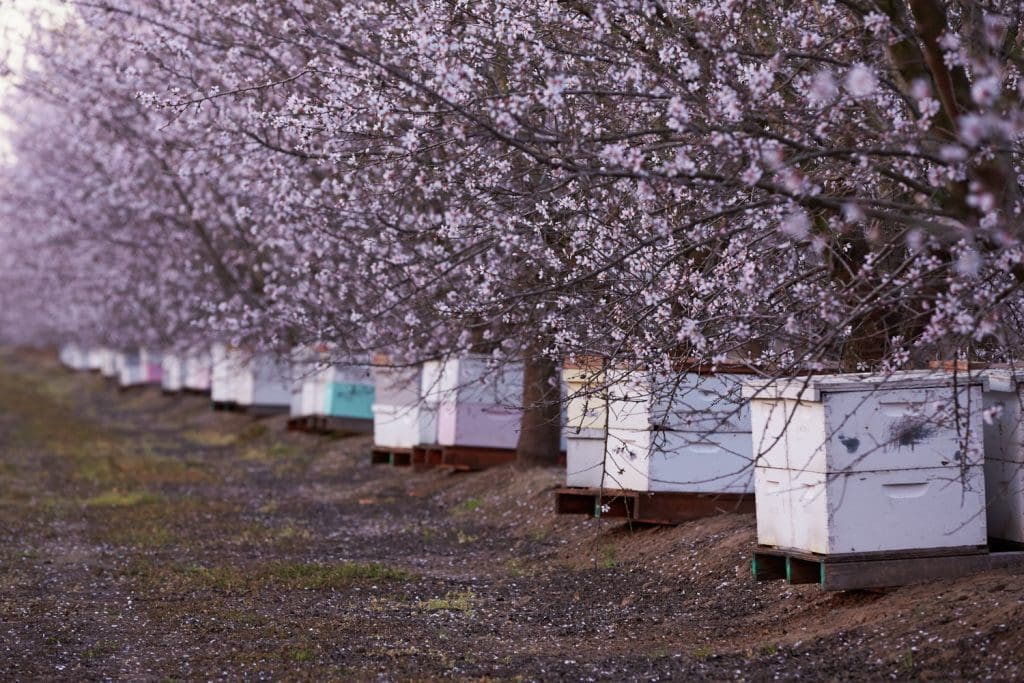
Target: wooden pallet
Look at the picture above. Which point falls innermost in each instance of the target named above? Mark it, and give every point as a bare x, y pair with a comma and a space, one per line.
331, 424
425, 456
471, 459
454, 458
647, 507
264, 410
856, 571
398, 457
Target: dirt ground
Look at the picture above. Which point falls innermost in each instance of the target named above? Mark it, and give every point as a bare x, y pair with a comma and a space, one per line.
145, 537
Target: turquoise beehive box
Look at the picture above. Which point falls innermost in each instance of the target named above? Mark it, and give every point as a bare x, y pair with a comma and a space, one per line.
351, 396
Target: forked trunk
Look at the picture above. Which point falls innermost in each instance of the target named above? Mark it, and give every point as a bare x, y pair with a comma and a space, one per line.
541, 429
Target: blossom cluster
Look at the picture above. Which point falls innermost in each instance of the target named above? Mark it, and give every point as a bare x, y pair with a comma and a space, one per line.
828, 184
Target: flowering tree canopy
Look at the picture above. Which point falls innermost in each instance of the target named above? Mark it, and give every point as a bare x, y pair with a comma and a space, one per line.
789, 186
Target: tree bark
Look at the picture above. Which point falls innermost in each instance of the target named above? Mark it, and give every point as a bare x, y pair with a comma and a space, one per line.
541, 427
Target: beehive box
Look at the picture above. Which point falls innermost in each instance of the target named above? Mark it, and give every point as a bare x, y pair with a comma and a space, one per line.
1004, 454
309, 394
130, 370
264, 382
225, 374
73, 357
430, 401
685, 432
152, 366
398, 408
350, 392
173, 367
869, 463
586, 426
197, 371
479, 406
94, 359
108, 364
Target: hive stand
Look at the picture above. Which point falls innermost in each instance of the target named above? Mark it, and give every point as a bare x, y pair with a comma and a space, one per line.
455, 458
648, 507
855, 571
264, 410
399, 457
426, 456
330, 424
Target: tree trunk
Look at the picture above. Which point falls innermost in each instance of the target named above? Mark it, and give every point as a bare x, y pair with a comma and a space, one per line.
541, 428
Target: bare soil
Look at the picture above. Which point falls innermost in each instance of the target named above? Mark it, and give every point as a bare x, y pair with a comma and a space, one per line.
145, 537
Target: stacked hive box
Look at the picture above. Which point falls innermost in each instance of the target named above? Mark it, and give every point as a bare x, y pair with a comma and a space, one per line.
349, 394
331, 397
687, 433
309, 395
94, 359
173, 369
1004, 455
131, 369
225, 375
869, 463
73, 357
196, 377
264, 384
401, 418
586, 425
109, 363
479, 406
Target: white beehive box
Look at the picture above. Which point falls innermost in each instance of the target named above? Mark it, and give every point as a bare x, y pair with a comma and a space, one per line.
173, 367
264, 382
869, 463
1004, 454
586, 427
94, 359
73, 357
686, 432
309, 369
225, 374
430, 401
396, 407
131, 371
197, 371
108, 363
479, 406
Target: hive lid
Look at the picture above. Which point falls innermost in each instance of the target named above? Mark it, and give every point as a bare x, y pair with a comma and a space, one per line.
1003, 379
811, 388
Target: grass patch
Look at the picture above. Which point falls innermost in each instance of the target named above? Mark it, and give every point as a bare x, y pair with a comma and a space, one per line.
122, 499
211, 438
317, 576
704, 652
468, 505
462, 537
453, 602
113, 467
272, 453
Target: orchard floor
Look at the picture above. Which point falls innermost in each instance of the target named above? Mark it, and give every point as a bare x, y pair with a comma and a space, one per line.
144, 537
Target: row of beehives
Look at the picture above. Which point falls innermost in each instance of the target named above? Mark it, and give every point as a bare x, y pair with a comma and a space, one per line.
839, 464
457, 402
